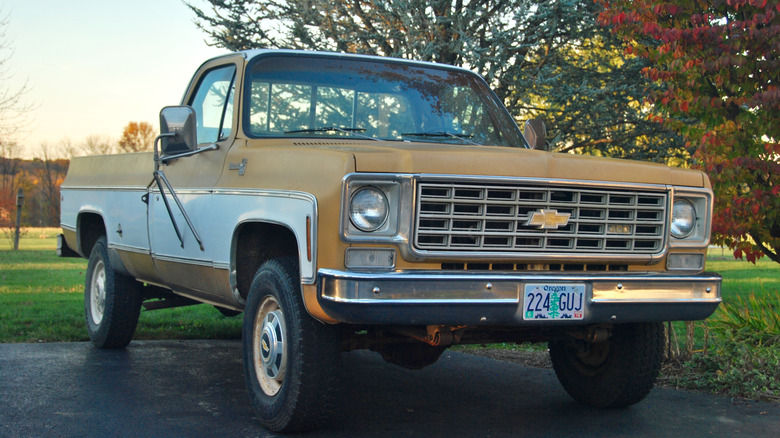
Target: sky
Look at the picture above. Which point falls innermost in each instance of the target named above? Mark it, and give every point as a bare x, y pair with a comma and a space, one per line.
92, 66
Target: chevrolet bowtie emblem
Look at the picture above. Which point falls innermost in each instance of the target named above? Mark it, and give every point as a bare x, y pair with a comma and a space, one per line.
548, 219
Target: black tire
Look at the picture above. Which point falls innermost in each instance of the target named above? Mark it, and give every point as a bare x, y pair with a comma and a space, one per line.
291, 361
112, 302
612, 374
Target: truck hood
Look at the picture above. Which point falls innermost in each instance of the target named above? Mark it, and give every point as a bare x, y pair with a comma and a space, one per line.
407, 157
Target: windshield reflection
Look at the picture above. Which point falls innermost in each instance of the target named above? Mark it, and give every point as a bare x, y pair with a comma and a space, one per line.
323, 96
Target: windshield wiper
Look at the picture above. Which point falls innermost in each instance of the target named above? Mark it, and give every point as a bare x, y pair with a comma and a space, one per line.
351, 131
326, 129
459, 136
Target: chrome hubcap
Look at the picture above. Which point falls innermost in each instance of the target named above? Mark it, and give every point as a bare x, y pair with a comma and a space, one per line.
97, 293
269, 341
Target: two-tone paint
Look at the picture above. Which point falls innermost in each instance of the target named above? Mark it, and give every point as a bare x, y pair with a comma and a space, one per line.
298, 187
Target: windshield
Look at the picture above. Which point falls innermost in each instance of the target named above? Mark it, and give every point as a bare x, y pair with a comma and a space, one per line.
316, 96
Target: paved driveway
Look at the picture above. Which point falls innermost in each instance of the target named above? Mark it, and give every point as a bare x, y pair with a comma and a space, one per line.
196, 388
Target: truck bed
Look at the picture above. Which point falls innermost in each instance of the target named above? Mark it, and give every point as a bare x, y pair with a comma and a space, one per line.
119, 170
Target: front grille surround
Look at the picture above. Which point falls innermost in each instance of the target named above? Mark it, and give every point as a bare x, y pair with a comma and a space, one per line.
490, 219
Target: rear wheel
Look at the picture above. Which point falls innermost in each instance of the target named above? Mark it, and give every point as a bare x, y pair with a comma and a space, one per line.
291, 361
615, 373
112, 302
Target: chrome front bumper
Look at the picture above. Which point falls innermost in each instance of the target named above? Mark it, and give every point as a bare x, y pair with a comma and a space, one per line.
496, 299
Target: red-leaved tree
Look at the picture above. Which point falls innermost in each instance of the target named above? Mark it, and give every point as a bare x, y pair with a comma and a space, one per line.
719, 67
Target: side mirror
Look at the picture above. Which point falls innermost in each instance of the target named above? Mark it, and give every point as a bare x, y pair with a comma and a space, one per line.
535, 134
179, 121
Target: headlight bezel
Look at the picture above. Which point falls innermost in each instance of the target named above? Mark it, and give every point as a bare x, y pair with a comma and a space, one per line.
397, 189
701, 200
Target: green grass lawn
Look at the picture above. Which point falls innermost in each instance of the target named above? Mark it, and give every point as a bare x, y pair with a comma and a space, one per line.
741, 278
42, 299
41, 296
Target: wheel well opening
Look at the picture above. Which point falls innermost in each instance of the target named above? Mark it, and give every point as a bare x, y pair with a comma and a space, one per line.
257, 243
90, 228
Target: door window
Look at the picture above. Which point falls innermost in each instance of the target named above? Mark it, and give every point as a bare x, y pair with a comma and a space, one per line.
213, 104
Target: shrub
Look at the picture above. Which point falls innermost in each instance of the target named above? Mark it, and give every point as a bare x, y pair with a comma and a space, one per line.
754, 321
744, 357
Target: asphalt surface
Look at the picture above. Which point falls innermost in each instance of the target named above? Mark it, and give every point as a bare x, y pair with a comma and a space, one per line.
196, 388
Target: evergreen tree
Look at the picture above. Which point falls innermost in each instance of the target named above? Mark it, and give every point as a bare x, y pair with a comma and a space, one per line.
548, 59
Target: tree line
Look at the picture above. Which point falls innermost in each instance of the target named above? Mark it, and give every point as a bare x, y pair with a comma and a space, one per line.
40, 178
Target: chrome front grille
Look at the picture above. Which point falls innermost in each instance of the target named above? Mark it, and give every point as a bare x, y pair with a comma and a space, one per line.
464, 217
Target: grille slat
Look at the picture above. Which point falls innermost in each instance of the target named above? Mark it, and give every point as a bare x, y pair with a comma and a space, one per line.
494, 219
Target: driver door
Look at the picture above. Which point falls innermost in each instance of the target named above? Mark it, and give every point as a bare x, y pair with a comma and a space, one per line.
184, 265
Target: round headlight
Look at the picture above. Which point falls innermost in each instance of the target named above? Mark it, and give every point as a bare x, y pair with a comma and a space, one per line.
368, 209
683, 219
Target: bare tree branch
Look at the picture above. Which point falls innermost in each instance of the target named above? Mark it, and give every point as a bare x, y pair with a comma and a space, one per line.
14, 111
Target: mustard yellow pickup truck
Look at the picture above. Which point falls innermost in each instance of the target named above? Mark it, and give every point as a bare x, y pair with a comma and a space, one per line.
352, 202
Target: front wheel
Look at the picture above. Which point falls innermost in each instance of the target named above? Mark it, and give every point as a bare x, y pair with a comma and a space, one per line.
112, 301
291, 361
615, 373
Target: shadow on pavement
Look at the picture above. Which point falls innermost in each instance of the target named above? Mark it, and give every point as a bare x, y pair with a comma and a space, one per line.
196, 388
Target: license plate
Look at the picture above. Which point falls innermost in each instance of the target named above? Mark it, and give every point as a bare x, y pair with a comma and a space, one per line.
554, 301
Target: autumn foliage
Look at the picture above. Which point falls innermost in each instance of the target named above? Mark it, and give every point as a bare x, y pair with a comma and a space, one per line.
40, 181
719, 70
137, 137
